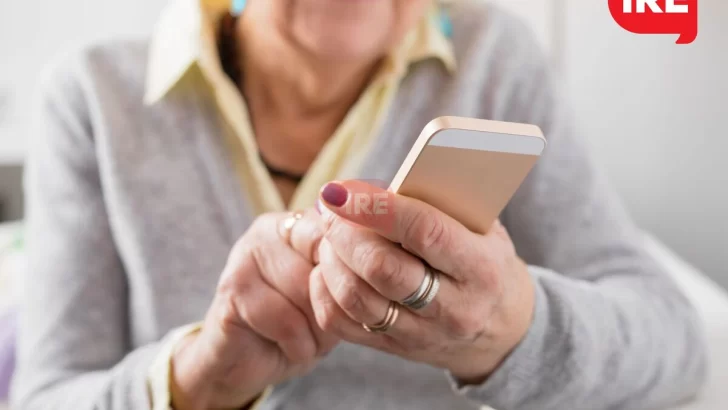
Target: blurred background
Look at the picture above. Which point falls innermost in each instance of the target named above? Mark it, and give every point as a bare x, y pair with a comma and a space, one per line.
653, 111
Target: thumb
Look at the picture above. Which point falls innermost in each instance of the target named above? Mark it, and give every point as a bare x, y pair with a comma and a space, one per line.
359, 202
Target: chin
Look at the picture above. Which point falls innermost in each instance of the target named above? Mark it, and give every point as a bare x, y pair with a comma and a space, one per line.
338, 48
362, 36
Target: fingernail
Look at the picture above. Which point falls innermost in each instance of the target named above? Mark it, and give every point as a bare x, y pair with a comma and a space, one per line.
318, 206
335, 194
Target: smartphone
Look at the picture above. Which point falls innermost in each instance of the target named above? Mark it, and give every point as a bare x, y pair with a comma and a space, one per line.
469, 168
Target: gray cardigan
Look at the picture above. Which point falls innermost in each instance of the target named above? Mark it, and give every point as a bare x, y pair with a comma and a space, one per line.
133, 209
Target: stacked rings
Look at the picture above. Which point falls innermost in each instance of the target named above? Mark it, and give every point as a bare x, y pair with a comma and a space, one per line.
387, 323
427, 291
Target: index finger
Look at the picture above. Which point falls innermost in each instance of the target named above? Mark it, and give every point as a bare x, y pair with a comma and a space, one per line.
303, 232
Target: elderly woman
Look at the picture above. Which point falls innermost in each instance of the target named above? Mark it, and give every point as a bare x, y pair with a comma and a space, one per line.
165, 272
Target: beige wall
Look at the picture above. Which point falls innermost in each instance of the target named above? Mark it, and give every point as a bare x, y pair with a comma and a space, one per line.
656, 114
31, 32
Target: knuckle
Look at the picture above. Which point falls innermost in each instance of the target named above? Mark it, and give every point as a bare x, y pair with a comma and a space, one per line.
349, 297
326, 322
256, 226
232, 282
323, 303
427, 230
241, 308
289, 329
326, 318
239, 251
252, 317
235, 277
434, 233
292, 334
228, 316
370, 258
227, 284
247, 248
379, 265
465, 326
336, 230
262, 227
258, 257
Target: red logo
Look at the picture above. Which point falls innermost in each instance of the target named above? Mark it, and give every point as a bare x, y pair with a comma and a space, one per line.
658, 17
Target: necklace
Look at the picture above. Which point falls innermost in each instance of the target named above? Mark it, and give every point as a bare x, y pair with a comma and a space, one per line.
228, 51
277, 172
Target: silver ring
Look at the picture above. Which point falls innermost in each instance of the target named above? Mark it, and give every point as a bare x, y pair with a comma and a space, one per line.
426, 292
430, 294
420, 292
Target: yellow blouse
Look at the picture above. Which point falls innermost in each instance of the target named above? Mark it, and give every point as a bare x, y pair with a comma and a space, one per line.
171, 57
186, 37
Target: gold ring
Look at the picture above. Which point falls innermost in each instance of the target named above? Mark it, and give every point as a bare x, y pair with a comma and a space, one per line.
289, 223
387, 323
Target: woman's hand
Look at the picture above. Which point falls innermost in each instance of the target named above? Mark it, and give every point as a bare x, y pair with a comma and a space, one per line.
369, 257
260, 329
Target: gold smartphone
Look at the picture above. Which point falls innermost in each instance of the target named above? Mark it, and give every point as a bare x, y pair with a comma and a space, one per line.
469, 168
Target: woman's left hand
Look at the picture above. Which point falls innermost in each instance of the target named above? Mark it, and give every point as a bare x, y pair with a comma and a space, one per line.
367, 258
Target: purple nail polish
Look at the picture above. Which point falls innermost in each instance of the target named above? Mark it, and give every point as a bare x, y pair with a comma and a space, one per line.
335, 194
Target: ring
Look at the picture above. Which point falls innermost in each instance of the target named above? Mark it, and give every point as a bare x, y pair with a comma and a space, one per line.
387, 323
430, 294
289, 223
417, 295
427, 291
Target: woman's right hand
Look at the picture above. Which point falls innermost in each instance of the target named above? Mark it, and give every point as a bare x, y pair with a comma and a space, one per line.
260, 329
